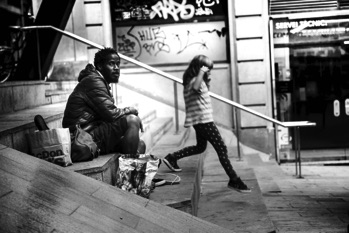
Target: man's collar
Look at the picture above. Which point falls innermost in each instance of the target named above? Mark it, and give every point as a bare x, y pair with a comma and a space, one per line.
99, 73
103, 78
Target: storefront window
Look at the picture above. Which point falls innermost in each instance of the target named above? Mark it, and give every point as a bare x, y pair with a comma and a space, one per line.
311, 78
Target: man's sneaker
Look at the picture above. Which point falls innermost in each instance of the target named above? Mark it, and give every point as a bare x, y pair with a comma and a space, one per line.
171, 163
239, 186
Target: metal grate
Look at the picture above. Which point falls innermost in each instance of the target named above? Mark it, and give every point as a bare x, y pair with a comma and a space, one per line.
296, 6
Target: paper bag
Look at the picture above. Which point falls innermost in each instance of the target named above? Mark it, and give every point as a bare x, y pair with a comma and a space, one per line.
52, 145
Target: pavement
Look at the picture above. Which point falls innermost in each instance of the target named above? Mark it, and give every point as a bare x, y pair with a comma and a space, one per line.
279, 201
318, 202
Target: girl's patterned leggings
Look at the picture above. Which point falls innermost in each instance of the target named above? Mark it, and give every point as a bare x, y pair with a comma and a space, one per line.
208, 132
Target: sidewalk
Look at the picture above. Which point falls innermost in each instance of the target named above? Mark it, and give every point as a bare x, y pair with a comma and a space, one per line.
317, 203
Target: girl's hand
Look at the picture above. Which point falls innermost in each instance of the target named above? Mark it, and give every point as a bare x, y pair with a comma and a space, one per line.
204, 69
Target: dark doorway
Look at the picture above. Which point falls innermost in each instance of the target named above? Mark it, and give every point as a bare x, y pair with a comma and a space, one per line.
321, 94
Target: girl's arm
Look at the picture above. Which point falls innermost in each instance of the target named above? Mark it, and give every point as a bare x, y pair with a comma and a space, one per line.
199, 78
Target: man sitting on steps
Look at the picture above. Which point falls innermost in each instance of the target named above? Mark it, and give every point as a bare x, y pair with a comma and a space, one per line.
91, 105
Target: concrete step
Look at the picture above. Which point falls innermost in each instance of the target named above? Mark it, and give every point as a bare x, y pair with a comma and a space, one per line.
241, 212
20, 95
56, 96
324, 156
102, 168
61, 85
15, 125
185, 195
155, 129
39, 196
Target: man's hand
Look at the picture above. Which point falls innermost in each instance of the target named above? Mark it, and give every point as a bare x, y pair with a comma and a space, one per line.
131, 110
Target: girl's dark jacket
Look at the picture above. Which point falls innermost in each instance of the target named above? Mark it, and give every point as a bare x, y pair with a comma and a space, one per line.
90, 102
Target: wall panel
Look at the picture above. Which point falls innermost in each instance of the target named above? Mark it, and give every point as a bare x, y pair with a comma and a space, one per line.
253, 71
252, 49
248, 7
249, 27
252, 94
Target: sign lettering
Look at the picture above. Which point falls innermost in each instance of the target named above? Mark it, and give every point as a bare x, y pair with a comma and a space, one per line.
295, 24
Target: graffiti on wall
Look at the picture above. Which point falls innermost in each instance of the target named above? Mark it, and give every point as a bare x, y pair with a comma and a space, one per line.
165, 8
174, 43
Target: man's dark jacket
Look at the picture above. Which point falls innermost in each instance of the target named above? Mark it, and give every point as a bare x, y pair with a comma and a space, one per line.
90, 102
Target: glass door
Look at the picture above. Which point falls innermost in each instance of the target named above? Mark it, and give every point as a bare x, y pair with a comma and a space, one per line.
312, 78
321, 95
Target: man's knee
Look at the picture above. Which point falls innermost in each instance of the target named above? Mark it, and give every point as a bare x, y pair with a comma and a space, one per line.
133, 120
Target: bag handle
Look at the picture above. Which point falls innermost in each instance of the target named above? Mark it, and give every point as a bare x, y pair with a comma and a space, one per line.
176, 179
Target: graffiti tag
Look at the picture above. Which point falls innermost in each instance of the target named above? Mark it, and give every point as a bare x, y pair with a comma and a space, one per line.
172, 8
154, 39
207, 3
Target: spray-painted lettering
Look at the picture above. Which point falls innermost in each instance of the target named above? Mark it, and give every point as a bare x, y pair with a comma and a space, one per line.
201, 11
207, 3
172, 8
172, 42
154, 40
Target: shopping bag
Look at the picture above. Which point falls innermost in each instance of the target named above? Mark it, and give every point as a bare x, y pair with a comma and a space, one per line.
52, 145
83, 148
136, 172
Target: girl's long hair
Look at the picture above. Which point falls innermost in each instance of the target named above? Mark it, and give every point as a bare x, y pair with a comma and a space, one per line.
194, 67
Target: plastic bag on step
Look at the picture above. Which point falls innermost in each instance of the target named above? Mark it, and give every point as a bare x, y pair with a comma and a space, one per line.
136, 172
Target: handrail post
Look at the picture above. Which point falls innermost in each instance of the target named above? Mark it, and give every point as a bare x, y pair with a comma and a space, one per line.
297, 152
237, 133
38, 53
176, 106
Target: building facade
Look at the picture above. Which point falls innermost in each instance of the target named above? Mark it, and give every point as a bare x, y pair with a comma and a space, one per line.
283, 59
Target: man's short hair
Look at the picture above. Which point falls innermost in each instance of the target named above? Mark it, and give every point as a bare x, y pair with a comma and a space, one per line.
102, 54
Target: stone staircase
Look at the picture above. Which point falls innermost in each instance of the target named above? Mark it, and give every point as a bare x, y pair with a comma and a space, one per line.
15, 125
161, 138
37, 196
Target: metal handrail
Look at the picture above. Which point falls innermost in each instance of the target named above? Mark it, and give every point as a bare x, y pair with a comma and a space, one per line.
290, 124
173, 78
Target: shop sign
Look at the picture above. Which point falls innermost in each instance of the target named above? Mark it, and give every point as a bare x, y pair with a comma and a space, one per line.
301, 23
311, 30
